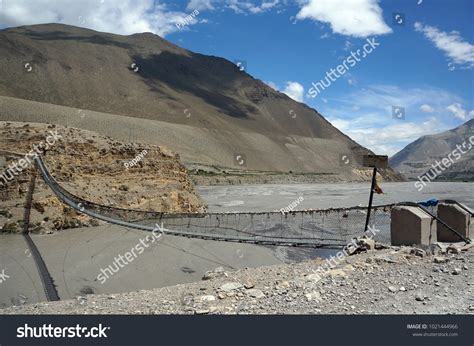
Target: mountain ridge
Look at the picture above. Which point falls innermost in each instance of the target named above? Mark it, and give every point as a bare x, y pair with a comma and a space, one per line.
417, 157
144, 76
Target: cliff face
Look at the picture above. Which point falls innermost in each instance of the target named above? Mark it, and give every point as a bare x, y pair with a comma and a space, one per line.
95, 168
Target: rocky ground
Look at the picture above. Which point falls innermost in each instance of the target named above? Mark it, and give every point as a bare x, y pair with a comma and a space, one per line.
94, 167
212, 176
393, 280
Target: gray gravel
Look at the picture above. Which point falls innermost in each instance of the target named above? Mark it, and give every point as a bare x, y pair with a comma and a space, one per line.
323, 196
388, 281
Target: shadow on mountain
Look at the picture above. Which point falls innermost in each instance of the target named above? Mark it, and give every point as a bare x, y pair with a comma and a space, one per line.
194, 75
64, 36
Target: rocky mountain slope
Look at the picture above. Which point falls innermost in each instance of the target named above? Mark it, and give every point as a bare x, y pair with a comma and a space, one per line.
95, 168
418, 157
211, 112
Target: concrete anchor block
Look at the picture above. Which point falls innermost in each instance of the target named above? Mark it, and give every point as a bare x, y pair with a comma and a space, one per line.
411, 226
458, 219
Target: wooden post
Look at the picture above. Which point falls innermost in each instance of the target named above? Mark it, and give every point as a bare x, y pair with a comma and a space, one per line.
371, 197
375, 161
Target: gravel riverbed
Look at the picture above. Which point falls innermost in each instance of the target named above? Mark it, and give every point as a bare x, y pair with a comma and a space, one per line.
391, 280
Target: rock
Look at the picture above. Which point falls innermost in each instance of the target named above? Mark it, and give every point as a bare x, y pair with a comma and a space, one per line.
403, 289
337, 273
418, 252
299, 282
437, 249
380, 246
465, 267
440, 259
313, 277
453, 249
230, 286
81, 300
201, 311
420, 297
87, 290
471, 308
38, 206
456, 271
392, 289
283, 285
206, 298
249, 284
366, 243
255, 293
123, 187
385, 259
215, 273
313, 296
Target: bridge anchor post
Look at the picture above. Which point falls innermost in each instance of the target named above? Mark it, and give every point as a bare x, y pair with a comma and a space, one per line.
29, 200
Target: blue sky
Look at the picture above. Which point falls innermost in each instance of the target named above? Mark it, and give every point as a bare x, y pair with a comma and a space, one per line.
423, 65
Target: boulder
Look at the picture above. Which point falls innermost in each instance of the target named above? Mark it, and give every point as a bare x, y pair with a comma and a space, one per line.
231, 286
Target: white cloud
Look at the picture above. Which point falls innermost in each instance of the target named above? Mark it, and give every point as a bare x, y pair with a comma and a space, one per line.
388, 139
383, 97
200, 5
294, 90
452, 44
366, 115
459, 112
426, 108
359, 18
238, 6
241, 6
120, 17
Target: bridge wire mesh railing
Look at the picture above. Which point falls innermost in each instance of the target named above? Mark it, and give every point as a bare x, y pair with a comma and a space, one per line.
310, 228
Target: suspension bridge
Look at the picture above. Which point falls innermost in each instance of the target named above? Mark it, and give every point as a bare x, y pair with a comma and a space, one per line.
315, 228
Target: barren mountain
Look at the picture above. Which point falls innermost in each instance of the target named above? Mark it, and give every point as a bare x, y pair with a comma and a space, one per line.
204, 107
418, 157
